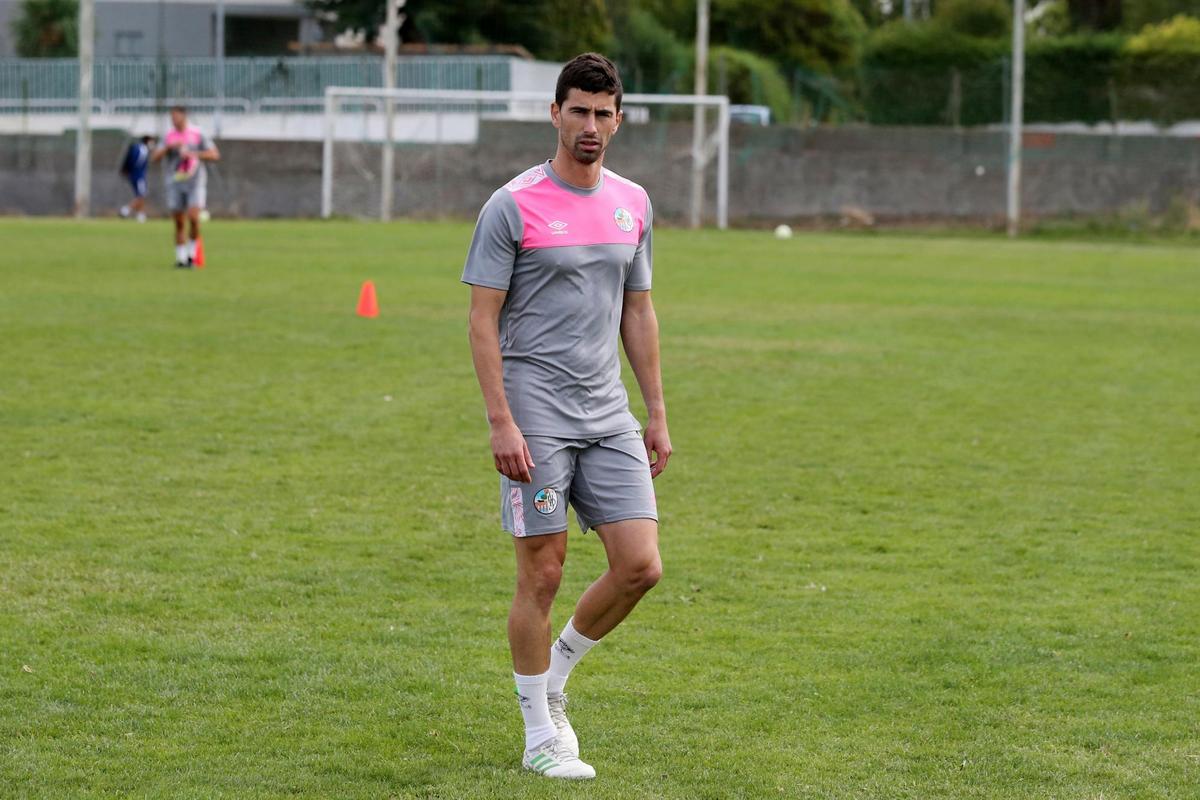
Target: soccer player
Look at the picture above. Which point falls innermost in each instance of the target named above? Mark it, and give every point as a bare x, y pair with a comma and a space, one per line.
133, 168
186, 149
559, 269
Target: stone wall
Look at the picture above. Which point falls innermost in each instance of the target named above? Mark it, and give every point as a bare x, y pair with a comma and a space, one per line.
777, 174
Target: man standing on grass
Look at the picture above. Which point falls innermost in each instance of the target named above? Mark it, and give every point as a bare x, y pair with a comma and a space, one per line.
133, 168
559, 267
186, 149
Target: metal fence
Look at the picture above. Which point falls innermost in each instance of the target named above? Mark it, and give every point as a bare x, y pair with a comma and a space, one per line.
250, 79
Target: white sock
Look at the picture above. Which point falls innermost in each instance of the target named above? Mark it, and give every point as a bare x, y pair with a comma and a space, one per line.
141, 217
565, 653
191, 248
181, 254
531, 695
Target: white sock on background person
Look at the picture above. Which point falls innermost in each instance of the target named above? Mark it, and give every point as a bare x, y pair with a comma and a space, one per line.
531, 695
565, 653
181, 254
191, 248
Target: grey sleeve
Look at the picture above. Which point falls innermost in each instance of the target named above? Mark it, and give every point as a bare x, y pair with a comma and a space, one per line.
637, 277
495, 243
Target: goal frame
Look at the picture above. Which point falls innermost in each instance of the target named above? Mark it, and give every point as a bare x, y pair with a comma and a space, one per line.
713, 144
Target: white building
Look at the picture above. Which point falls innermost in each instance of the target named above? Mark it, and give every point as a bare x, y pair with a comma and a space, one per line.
183, 28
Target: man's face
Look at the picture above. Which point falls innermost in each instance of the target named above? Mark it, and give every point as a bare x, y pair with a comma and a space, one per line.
586, 122
178, 119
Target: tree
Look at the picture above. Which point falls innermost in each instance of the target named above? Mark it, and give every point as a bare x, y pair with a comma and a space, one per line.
1100, 15
988, 19
47, 29
821, 35
1149, 12
651, 57
556, 29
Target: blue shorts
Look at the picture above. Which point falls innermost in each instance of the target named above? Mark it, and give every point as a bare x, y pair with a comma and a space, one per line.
138, 182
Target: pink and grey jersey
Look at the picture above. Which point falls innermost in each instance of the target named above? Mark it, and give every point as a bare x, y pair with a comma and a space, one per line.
566, 256
188, 167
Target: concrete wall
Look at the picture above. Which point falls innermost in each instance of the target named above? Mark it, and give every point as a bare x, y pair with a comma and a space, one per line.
777, 174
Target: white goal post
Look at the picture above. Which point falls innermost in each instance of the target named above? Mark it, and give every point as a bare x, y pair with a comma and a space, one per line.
341, 125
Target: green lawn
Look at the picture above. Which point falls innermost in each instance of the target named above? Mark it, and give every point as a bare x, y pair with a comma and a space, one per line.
930, 531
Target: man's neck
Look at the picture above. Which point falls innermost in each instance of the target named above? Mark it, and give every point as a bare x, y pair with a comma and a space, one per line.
583, 176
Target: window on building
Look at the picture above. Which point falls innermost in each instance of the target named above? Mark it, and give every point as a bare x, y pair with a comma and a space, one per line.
259, 36
128, 43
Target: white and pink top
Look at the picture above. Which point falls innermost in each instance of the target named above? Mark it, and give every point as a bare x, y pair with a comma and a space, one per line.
565, 256
185, 167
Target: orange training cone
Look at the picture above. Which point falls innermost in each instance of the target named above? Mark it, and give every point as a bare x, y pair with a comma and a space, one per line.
368, 306
198, 261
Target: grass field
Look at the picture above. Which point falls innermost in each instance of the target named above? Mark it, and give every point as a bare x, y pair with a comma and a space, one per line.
930, 531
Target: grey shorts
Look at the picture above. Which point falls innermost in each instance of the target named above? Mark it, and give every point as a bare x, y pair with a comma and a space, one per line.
604, 480
182, 195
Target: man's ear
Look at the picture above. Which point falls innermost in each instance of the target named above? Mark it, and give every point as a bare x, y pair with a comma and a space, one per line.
620, 118
555, 115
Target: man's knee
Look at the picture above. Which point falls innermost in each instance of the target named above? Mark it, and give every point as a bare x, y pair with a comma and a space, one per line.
539, 582
640, 576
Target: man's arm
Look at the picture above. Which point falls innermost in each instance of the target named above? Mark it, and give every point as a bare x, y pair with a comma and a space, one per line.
639, 334
508, 445
210, 153
158, 153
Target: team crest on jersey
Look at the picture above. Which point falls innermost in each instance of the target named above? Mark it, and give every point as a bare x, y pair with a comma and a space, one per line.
623, 219
545, 501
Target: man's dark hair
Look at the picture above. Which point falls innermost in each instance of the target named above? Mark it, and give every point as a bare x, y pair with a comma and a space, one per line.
179, 107
589, 72
149, 139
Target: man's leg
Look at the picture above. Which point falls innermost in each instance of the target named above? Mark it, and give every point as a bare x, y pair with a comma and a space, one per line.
193, 214
634, 567
539, 571
540, 562
180, 239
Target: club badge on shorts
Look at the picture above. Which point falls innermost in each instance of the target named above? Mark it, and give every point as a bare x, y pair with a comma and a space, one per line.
545, 501
623, 219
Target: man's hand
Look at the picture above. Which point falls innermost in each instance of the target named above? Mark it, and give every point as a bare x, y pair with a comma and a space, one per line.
511, 453
658, 446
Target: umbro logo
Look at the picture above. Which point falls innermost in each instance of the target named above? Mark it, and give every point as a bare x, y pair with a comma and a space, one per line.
558, 228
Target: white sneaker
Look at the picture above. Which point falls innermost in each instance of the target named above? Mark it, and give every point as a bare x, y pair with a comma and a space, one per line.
553, 760
558, 713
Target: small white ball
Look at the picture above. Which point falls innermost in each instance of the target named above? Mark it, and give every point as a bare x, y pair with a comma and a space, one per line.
204, 215
979, 171
783, 232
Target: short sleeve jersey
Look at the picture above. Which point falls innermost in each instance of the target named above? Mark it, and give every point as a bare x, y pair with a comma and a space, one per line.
188, 167
566, 256
137, 158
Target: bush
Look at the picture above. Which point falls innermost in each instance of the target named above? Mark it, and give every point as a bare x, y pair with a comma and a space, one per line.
986, 19
1072, 78
748, 78
930, 75
1160, 72
1180, 37
903, 45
